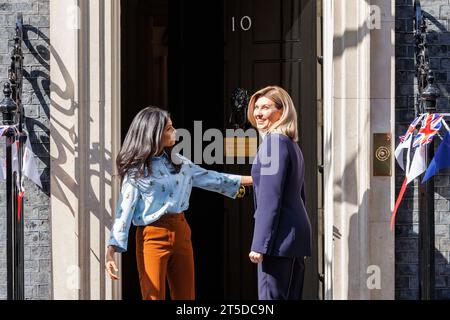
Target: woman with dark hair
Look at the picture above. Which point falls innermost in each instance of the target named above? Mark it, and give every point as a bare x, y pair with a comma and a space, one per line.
155, 190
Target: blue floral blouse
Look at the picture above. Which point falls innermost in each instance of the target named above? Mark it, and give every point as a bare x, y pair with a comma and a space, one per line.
144, 200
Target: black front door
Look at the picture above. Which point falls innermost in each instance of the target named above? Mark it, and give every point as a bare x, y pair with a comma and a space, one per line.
187, 57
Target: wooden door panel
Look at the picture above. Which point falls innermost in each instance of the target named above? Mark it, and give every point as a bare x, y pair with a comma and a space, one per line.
293, 19
266, 24
260, 71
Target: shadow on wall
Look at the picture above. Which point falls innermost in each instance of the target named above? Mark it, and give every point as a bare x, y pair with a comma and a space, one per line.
351, 223
346, 238
39, 79
66, 187
350, 38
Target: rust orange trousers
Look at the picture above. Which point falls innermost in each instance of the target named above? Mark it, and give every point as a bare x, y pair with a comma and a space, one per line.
164, 249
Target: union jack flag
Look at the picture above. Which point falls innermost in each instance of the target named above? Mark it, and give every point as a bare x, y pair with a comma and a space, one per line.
411, 129
430, 126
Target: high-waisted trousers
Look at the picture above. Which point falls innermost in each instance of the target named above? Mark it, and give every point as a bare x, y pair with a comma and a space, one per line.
164, 250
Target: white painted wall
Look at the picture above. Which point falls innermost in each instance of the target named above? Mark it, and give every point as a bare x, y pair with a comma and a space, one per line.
85, 136
362, 98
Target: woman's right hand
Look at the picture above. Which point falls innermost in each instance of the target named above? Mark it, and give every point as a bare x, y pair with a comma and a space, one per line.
111, 266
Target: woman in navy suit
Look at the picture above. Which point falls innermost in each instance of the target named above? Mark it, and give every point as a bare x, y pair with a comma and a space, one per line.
282, 232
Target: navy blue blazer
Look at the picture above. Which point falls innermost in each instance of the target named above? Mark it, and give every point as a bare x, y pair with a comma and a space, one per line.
282, 227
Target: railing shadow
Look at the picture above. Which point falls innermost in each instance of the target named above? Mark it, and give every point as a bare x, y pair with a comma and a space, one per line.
39, 79
83, 191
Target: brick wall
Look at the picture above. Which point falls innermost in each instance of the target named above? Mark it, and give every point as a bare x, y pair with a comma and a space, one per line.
407, 223
36, 101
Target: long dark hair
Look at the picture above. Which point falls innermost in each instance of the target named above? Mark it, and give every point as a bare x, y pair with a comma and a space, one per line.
142, 142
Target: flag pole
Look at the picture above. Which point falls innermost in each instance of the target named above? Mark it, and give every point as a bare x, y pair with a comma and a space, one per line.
16, 78
427, 96
12, 110
8, 108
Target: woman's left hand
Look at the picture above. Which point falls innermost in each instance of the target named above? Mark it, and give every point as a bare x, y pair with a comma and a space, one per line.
256, 257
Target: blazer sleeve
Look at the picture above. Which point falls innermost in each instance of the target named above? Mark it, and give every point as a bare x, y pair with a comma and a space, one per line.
126, 205
274, 167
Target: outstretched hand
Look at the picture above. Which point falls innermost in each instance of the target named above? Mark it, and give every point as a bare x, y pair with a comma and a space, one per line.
246, 181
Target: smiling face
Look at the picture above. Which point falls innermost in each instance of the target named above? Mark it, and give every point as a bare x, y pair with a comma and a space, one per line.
266, 113
168, 137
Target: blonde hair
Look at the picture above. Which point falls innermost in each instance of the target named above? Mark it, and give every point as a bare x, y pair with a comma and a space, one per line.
287, 124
